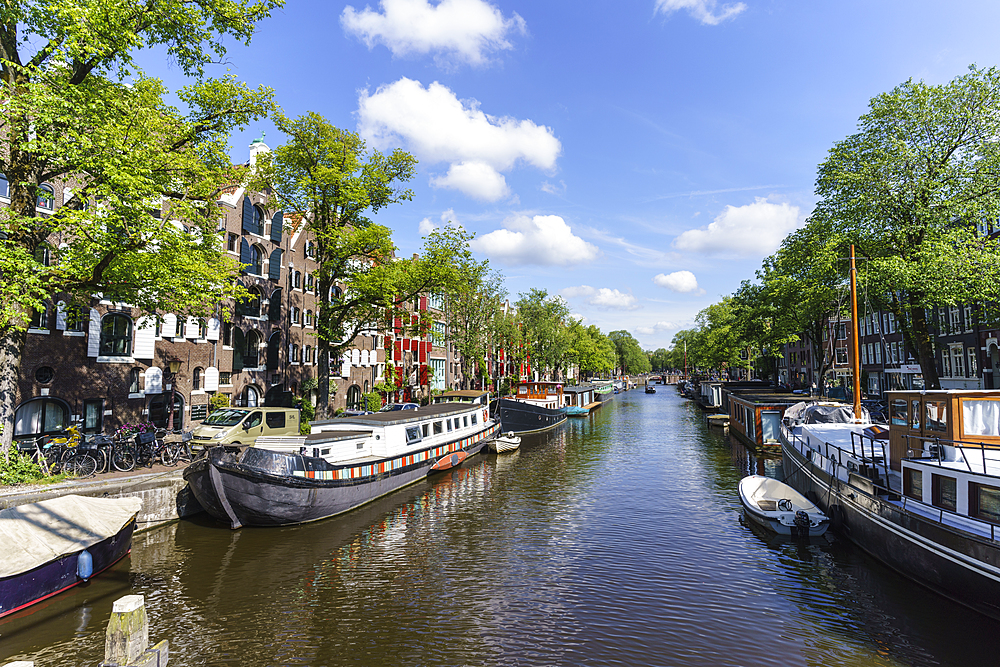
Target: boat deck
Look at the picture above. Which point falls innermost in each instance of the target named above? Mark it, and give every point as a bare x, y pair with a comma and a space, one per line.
968, 524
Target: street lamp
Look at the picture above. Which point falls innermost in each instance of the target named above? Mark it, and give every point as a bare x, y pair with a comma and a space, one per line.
174, 365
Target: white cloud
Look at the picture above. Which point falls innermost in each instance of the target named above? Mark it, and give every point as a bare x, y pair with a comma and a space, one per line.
656, 328
542, 239
463, 30
438, 127
603, 297
554, 189
753, 229
678, 281
702, 10
476, 179
426, 226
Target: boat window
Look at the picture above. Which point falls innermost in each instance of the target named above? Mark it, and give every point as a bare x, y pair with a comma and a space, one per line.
449, 424
770, 423
437, 428
913, 483
915, 413
981, 417
522, 390
412, 434
465, 421
944, 492
897, 412
425, 429
984, 502
473, 420
937, 416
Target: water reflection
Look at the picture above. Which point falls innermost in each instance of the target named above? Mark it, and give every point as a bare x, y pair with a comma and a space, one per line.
615, 539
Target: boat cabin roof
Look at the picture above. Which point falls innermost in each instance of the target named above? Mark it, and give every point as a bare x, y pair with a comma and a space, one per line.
380, 419
579, 389
762, 400
462, 395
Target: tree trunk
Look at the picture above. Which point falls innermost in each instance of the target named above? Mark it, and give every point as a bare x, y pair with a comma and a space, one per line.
12, 342
323, 350
921, 342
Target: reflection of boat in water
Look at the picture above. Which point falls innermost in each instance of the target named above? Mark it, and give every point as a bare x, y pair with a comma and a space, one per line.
53, 545
537, 406
507, 442
344, 463
780, 508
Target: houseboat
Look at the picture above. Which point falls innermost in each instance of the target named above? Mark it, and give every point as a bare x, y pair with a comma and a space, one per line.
710, 395
537, 406
580, 400
342, 464
921, 494
755, 419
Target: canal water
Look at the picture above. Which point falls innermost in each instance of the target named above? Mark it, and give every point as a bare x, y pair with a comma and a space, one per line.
615, 540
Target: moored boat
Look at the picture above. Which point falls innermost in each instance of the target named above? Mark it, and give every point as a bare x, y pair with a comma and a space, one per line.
780, 508
342, 464
537, 406
507, 442
53, 545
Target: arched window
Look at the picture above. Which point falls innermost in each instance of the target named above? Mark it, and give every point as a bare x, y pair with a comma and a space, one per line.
256, 265
196, 379
297, 280
39, 318
41, 416
202, 329
252, 352
309, 318
179, 322
258, 220
4, 186
354, 397
309, 354
251, 397
251, 307
309, 282
133, 381
273, 351
46, 197
295, 353
116, 336
295, 314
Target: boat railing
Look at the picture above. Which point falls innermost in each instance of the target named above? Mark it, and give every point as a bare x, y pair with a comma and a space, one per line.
854, 458
924, 510
934, 452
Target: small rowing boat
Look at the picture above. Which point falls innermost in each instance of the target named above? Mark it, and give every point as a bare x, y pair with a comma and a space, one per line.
507, 442
780, 508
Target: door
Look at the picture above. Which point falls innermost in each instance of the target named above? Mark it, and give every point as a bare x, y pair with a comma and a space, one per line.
770, 424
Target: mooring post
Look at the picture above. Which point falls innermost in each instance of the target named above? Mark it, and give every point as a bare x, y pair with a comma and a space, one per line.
128, 631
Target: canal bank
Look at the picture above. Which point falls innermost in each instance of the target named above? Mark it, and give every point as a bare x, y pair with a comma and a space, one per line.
164, 493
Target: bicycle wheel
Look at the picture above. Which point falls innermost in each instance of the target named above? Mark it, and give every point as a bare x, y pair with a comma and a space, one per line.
184, 454
123, 459
81, 465
167, 455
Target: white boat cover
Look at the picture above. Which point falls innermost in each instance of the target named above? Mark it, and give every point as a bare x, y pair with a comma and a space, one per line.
32, 535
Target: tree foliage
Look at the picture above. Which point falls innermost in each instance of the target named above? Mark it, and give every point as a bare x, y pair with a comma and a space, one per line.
543, 321
631, 359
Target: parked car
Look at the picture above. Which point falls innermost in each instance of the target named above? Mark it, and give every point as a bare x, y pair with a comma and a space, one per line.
242, 426
391, 407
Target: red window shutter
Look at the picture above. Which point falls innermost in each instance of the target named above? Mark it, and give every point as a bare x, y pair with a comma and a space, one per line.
423, 306
423, 374
423, 357
399, 351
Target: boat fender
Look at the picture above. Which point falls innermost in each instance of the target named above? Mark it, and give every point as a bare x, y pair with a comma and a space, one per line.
84, 565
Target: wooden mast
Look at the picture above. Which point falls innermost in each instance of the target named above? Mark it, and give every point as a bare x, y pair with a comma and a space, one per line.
856, 361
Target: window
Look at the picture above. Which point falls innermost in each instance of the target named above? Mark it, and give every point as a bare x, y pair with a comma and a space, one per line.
227, 334
294, 314
256, 264
309, 318
179, 326
973, 367
252, 351
93, 415
957, 361
75, 318
43, 255
955, 322
913, 483
897, 412
915, 413
4, 186
232, 243
133, 381
225, 378
448, 422
309, 282
967, 316
465, 421
275, 419
945, 363
354, 397
878, 353
294, 353
980, 417
196, 379
412, 434
984, 502
841, 355
425, 429
116, 336
944, 493
39, 318
438, 428
258, 220
251, 399
202, 329
41, 416
46, 198
474, 419
841, 331
297, 279
250, 307
936, 416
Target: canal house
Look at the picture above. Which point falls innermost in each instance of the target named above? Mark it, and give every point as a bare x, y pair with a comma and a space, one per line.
755, 418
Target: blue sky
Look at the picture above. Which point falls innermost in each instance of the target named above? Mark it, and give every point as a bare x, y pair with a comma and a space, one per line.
637, 157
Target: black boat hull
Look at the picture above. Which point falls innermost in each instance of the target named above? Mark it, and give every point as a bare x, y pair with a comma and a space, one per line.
954, 563
522, 417
25, 589
246, 495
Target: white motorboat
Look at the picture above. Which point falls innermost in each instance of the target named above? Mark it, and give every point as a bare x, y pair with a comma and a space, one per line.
780, 508
507, 442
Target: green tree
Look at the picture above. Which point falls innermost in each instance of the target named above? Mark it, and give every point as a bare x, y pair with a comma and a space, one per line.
543, 319
77, 109
659, 359
631, 358
592, 351
909, 188
329, 175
